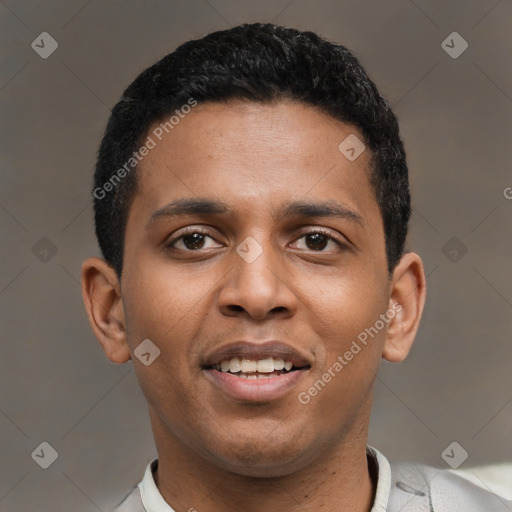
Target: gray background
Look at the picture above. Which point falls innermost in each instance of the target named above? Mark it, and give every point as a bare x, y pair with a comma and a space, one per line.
55, 383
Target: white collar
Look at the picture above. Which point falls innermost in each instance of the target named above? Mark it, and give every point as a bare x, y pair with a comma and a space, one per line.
151, 498
153, 501
380, 503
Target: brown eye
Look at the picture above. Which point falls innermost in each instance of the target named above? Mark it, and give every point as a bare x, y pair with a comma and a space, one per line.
192, 241
317, 241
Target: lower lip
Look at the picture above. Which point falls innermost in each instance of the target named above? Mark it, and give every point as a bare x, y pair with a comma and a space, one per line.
255, 390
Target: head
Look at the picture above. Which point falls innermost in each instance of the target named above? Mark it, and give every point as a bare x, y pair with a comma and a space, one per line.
250, 187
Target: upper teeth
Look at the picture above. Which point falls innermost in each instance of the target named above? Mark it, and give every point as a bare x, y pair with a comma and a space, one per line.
268, 365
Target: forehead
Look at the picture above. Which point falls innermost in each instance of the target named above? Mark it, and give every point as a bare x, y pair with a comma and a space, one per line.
255, 157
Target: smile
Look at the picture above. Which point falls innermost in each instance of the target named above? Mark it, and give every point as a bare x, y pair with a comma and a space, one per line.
252, 380
250, 368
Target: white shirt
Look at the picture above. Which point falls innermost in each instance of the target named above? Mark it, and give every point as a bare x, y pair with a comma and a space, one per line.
401, 488
153, 501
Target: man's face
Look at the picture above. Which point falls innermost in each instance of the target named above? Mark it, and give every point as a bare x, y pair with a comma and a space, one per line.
255, 274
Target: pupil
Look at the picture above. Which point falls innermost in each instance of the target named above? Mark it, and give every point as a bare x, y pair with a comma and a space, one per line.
319, 241
192, 240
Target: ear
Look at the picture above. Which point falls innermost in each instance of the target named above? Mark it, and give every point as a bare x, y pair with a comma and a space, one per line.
101, 292
408, 292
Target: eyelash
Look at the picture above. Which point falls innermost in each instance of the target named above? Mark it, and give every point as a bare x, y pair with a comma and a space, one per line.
320, 231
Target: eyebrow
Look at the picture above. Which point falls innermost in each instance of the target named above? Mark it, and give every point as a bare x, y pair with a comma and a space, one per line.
204, 206
321, 209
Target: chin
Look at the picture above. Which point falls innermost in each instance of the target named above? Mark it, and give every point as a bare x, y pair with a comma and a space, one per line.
262, 459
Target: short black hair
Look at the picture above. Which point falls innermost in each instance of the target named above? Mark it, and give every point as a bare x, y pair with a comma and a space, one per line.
261, 63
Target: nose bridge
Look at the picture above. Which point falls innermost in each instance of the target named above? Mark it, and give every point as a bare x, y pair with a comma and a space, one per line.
254, 282
257, 265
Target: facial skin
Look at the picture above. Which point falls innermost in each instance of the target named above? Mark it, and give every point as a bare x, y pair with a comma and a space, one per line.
215, 452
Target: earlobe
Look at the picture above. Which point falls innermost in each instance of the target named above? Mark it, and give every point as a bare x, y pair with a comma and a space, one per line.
101, 293
408, 292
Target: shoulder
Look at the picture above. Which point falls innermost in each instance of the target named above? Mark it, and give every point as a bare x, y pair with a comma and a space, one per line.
131, 503
418, 488
135, 500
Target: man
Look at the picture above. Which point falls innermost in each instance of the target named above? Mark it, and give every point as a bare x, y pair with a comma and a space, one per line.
251, 204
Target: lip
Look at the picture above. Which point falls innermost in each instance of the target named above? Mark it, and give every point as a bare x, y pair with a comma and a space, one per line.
256, 351
255, 390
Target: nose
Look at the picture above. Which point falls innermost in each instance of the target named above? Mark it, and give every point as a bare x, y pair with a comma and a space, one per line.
257, 289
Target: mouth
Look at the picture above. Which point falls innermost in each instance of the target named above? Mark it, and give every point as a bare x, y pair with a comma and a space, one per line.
250, 372
256, 369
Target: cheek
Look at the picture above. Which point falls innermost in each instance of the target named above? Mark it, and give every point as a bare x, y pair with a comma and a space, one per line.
161, 303
341, 385
342, 307
167, 307
347, 312
155, 311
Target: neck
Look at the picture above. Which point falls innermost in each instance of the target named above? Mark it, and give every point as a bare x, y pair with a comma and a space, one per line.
337, 480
